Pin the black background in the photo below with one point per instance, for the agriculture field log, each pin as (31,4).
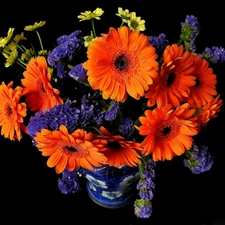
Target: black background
(29,192)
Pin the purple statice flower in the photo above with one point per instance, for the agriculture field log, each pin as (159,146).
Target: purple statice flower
(37,122)
(51,119)
(98,116)
(126,127)
(86,111)
(61,70)
(142,208)
(65,38)
(90,112)
(214,54)
(78,73)
(199,159)
(111,114)
(69,182)
(158,42)
(145,186)
(73,114)
(68,46)
(189,31)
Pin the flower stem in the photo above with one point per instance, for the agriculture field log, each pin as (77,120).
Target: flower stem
(39,38)
(93,27)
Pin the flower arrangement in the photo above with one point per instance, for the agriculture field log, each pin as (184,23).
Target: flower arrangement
(121,99)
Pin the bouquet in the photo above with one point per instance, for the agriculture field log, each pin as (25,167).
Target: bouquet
(121,99)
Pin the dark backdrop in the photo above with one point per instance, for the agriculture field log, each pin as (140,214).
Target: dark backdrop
(29,192)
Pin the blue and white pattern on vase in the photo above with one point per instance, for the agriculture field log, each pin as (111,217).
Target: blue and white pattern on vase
(112,187)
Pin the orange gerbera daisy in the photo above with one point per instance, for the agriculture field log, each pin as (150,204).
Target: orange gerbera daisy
(40,95)
(119,151)
(121,63)
(209,111)
(70,151)
(174,79)
(168,131)
(205,87)
(12,111)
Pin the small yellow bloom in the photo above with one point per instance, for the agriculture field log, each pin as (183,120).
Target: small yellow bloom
(88,15)
(27,55)
(35,26)
(19,38)
(135,23)
(43,53)
(4,41)
(123,14)
(11,46)
(12,58)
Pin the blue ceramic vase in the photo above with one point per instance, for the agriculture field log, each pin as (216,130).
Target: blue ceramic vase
(112,187)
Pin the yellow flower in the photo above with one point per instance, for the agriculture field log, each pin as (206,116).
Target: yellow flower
(35,26)
(88,15)
(19,38)
(123,14)
(135,23)
(11,59)
(10,47)
(28,54)
(43,53)
(4,41)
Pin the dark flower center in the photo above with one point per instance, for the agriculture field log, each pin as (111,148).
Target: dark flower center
(121,62)
(70,149)
(9,111)
(114,145)
(166,130)
(170,79)
(197,82)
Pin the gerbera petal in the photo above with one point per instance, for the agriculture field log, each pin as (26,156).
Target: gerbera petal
(84,163)
(61,165)
(54,159)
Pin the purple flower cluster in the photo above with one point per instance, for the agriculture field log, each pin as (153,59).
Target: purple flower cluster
(69,182)
(126,127)
(214,54)
(78,73)
(189,31)
(68,46)
(159,42)
(51,119)
(71,114)
(199,159)
(90,112)
(145,186)
(112,112)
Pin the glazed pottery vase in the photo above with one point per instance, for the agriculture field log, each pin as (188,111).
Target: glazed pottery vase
(112,187)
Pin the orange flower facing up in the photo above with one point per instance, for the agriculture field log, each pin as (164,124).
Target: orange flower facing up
(40,95)
(121,63)
(168,131)
(205,84)
(119,151)
(12,111)
(79,149)
(175,78)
